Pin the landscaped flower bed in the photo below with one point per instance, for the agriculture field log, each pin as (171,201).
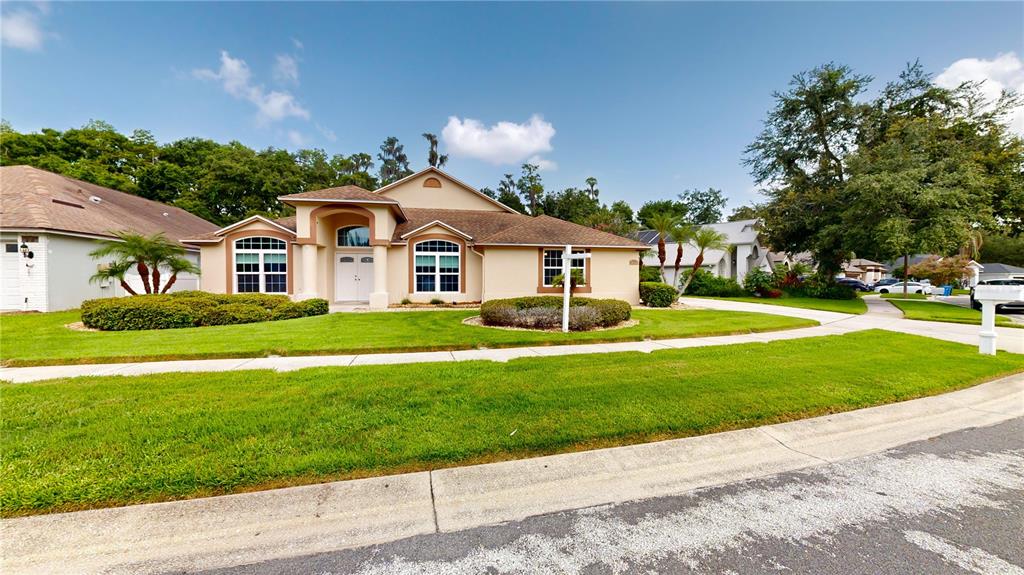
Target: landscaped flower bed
(193,309)
(545,312)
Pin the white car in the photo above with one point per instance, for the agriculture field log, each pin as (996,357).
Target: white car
(912,287)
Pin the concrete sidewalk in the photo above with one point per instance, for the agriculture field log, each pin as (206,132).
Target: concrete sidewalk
(240,529)
(881,315)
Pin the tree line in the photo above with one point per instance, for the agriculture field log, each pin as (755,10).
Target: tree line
(224,183)
(916,169)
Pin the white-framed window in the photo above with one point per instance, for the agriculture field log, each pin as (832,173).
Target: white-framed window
(353,237)
(553,265)
(261,265)
(436,265)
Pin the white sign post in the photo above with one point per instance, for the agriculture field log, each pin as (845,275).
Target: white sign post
(989,296)
(567,257)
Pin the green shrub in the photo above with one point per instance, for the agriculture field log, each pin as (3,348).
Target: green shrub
(234,313)
(657,294)
(436,301)
(817,287)
(136,313)
(705,283)
(406,301)
(650,274)
(191,309)
(759,282)
(544,312)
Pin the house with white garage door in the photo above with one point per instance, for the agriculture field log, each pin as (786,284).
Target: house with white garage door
(48,225)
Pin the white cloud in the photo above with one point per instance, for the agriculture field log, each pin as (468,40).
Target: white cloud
(236,79)
(1004,72)
(502,143)
(286,69)
(297,138)
(22,27)
(297,43)
(327,133)
(542,164)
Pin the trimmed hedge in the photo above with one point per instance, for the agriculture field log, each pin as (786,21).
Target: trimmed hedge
(193,309)
(650,274)
(708,284)
(657,294)
(545,312)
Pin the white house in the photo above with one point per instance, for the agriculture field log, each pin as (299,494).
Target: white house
(48,225)
(745,252)
(996,271)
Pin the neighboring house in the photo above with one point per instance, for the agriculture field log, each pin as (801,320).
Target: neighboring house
(864,270)
(996,271)
(427,236)
(48,225)
(744,254)
(974,269)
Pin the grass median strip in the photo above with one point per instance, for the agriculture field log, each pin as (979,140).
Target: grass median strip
(938,311)
(94,442)
(854,306)
(43,339)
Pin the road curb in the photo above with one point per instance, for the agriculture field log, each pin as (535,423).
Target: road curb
(251,527)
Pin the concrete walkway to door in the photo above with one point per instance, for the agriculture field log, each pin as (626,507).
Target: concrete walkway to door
(880,315)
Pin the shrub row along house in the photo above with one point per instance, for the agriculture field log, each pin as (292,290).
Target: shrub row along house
(48,225)
(425,237)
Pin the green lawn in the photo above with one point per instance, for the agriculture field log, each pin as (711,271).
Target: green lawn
(40,339)
(939,311)
(854,306)
(899,295)
(93,442)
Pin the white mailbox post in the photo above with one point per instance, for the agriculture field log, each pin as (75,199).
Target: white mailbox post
(567,257)
(989,296)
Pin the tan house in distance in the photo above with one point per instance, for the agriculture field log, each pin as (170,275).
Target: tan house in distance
(427,236)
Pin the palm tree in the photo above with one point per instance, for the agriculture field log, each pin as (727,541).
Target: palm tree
(592,187)
(663,223)
(682,234)
(146,253)
(433,158)
(705,239)
(114,271)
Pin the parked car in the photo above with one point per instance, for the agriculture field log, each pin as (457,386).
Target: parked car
(853,283)
(912,287)
(885,282)
(1013,306)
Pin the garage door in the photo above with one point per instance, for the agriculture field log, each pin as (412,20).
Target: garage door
(10,287)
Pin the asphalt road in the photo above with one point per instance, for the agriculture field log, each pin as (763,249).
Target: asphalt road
(953,504)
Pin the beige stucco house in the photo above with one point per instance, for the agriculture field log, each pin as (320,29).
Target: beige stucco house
(428,236)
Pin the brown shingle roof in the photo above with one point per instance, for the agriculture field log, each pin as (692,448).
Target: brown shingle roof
(37,199)
(285,222)
(340,193)
(546,230)
(502,228)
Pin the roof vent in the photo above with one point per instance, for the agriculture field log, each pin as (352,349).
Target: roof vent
(95,199)
(166,215)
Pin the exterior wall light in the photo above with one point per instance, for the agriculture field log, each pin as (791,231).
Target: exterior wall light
(25,252)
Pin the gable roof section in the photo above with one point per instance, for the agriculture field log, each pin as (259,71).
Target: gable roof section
(997,268)
(456,181)
(348,193)
(32,198)
(286,225)
(549,231)
(475,223)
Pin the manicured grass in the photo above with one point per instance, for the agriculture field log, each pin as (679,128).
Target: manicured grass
(40,339)
(939,311)
(899,295)
(958,291)
(854,306)
(92,442)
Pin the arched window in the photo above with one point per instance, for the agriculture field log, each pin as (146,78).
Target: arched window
(431,183)
(437,266)
(353,237)
(261,265)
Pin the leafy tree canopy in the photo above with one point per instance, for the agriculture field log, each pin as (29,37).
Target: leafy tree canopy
(703,206)
(650,209)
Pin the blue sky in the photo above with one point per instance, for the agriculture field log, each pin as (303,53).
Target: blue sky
(651,99)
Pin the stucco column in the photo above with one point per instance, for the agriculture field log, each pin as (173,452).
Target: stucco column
(309,275)
(379,296)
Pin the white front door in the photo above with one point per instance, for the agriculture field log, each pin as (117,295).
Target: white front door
(353,277)
(11,284)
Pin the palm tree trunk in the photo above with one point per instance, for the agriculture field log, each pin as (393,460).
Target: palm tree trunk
(143,270)
(696,266)
(661,257)
(679,262)
(127,287)
(170,282)
(156,277)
